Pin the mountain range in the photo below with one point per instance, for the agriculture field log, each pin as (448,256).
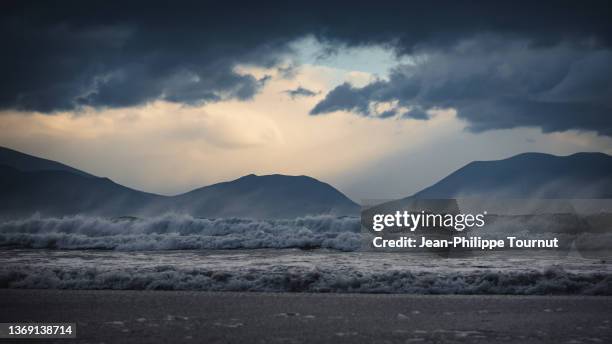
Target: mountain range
(31,185)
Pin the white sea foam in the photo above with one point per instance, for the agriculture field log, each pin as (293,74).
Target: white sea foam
(183,232)
(180,232)
(180,252)
(294,271)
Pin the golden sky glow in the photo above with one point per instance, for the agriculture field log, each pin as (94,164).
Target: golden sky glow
(169,148)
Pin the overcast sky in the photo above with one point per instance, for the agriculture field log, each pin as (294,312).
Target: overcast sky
(378,99)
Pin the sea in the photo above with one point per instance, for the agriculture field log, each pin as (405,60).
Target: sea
(319,254)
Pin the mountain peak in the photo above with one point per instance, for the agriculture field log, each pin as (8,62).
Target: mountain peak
(529,175)
(29,184)
(267,196)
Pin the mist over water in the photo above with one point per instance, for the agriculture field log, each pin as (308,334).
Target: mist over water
(173,231)
(180,232)
(306,254)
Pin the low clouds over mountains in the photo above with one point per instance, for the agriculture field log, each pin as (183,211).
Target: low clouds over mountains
(547,65)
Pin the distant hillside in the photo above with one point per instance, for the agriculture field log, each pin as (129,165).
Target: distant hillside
(56,193)
(32,185)
(529,175)
(25,162)
(269,196)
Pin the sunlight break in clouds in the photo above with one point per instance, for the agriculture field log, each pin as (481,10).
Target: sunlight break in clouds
(170,148)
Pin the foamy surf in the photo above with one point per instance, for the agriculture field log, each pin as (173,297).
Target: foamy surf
(180,232)
(292,270)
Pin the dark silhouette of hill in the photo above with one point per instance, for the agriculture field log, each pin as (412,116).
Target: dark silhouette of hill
(270,196)
(529,175)
(32,185)
(56,193)
(26,162)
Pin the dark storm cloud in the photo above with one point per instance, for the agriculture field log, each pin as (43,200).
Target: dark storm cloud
(301,92)
(67,55)
(416,113)
(494,83)
(63,55)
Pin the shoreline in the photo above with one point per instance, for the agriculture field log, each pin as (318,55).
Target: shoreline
(202,316)
(305,293)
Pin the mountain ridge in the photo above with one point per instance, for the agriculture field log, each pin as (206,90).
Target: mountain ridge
(57,189)
(529,175)
(52,188)
(26,162)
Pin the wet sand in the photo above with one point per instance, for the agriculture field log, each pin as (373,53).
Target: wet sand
(206,317)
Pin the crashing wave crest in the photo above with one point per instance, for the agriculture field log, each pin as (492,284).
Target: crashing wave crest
(180,232)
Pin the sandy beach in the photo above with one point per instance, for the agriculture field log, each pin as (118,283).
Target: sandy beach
(175,316)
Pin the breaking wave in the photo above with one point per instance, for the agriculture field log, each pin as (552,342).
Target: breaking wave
(554,280)
(180,232)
